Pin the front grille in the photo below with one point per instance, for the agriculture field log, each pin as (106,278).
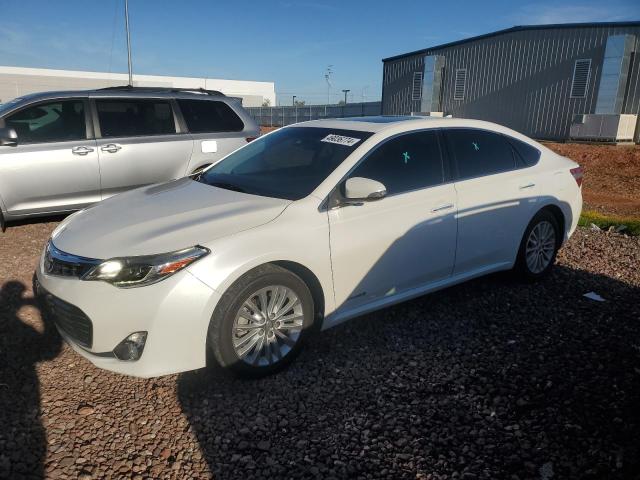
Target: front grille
(70,319)
(62,264)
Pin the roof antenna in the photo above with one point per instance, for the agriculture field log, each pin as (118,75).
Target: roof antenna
(126,19)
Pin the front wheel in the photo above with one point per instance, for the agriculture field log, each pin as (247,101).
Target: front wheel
(261,322)
(538,247)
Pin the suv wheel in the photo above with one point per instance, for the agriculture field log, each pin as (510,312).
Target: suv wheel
(261,322)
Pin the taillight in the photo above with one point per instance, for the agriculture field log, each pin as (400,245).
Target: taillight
(577,173)
(250,139)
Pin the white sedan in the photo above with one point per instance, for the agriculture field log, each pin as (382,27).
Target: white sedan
(302,229)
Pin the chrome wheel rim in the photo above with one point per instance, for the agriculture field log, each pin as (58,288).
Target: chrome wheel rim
(267,325)
(541,245)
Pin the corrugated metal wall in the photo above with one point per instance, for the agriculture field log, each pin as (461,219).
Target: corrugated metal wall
(520,79)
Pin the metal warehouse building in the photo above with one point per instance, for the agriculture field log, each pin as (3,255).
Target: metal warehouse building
(557,82)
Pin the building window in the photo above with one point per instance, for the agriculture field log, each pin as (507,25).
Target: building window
(581,74)
(416,92)
(461,84)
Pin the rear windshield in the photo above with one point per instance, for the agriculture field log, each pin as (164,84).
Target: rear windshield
(289,163)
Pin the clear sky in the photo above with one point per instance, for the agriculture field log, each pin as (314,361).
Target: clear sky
(285,41)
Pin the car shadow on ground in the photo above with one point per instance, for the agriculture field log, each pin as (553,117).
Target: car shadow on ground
(22,346)
(491,379)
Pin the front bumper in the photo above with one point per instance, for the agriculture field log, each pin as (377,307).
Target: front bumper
(175,312)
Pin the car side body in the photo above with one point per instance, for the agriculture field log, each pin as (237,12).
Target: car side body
(75,148)
(355,257)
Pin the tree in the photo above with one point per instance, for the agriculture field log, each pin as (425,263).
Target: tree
(341,102)
(299,103)
(266,102)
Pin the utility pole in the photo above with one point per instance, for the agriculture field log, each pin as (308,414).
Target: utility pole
(293,102)
(345,95)
(126,20)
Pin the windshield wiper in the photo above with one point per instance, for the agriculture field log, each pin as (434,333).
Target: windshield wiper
(228,186)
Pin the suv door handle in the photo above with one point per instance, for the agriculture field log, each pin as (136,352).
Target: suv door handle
(110,147)
(81,150)
(446,206)
(528,185)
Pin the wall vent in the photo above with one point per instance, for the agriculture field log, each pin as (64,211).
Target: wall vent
(581,74)
(461,84)
(416,91)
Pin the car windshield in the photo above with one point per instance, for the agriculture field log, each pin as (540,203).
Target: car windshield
(289,163)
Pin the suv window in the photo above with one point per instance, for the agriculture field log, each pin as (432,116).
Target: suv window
(479,152)
(134,118)
(57,121)
(404,163)
(206,116)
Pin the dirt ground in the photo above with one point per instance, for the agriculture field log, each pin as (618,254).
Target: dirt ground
(611,176)
(611,179)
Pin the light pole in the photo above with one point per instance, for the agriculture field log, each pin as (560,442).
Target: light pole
(293,102)
(345,95)
(126,19)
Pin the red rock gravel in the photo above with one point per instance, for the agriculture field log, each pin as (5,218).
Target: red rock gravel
(490,379)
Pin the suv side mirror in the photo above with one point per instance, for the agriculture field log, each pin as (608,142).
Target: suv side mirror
(8,137)
(364,189)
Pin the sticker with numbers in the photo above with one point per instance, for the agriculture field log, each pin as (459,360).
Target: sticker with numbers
(340,140)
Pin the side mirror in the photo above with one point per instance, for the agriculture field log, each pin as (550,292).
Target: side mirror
(364,189)
(8,137)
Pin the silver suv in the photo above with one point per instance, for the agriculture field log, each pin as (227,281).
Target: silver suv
(61,151)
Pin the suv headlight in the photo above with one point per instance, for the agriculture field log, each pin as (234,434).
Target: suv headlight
(128,272)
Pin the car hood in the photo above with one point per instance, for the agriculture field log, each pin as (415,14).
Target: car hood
(162,218)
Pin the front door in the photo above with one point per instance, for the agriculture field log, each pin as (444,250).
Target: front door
(138,143)
(54,167)
(405,240)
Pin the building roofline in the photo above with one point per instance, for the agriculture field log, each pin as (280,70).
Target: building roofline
(517,28)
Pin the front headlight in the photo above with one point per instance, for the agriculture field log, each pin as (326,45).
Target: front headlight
(127,272)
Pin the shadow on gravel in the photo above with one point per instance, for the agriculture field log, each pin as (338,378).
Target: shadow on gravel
(22,436)
(489,379)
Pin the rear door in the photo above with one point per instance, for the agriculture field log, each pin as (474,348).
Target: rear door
(139,143)
(215,127)
(496,198)
(54,167)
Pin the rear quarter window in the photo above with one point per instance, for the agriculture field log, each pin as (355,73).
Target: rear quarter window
(207,116)
(527,154)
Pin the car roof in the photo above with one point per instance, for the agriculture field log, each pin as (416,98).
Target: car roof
(125,91)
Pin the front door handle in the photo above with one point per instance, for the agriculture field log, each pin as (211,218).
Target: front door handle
(528,185)
(110,147)
(81,150)
(446,206)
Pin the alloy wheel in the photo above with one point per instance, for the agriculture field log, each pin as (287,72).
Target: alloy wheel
(540,247)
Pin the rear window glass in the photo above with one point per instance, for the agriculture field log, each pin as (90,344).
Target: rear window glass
(479,152)
(526,153)
(206,116)
(134,118)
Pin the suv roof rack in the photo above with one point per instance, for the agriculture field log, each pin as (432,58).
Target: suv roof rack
(163,90)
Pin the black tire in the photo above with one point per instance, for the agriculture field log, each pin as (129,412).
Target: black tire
(521,267)
(220,335)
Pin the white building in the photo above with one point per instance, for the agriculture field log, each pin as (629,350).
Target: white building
(17,81)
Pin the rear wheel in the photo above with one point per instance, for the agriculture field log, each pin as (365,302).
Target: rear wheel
(539,246)
(261,322)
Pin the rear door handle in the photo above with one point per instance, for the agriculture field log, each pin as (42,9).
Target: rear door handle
(528,185)
(446,206)
(81,150)
(110,147)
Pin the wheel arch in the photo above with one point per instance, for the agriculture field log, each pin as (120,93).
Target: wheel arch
(556,211)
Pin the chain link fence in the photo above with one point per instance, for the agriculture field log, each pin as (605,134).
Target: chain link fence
(281,116)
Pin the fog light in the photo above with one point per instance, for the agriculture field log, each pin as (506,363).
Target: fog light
(130,349)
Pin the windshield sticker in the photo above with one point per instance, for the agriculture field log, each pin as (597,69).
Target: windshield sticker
(340,140)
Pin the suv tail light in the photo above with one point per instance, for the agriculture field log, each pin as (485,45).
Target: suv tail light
(577,173)
(250,139)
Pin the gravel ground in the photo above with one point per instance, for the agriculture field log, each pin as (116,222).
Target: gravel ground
(491,379)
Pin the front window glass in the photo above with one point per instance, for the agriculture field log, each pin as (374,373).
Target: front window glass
(58,121)
(289,163)
(405,163)
(135,118)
